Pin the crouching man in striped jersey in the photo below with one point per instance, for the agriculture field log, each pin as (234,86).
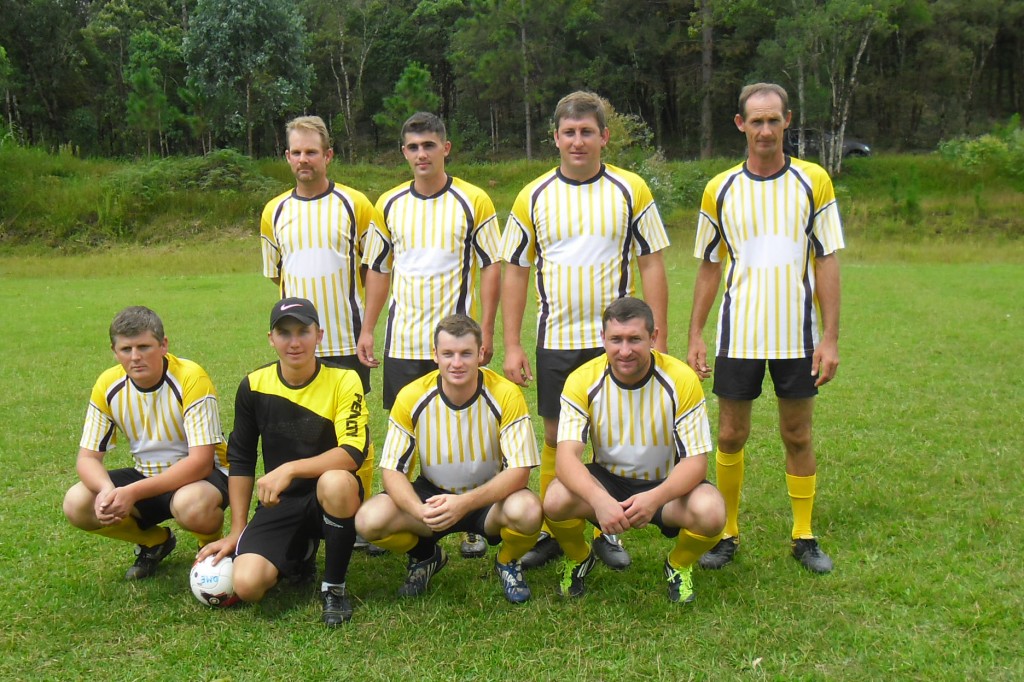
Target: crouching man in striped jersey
(470,431)
(166,407)
(644,414)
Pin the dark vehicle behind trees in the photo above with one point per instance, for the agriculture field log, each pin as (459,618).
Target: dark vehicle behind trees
(812,143)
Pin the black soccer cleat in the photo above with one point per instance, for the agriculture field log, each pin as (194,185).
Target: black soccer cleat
(680,584)
(147,558)
(473,546)
(610,551)
(720,555)
(808,553)
(573,575)
(419,574)
(337,607)
(546,549)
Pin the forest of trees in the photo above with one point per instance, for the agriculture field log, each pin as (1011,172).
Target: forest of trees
(161,77)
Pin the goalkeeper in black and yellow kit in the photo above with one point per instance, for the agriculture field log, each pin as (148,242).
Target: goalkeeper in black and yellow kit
(312,421)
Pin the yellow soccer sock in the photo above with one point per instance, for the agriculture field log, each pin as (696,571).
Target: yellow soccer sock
(801,497)
(689,547)
(547,474)
(729,475)
(570,538)
(514,545)
(206,538)
(129,531)
(399,543)
(365,473)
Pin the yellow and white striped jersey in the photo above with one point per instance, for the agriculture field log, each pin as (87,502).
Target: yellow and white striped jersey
(582,237)
(315,247)
(435,248)
(460,447)
(768,231)
(639,431)
(160,423)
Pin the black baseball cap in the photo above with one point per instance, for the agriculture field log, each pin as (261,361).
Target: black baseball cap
(301,309)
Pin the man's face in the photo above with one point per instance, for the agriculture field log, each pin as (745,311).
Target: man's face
(142,357)
(295,343)
(580,141)
(459,359)
(763,123)
(628,346)
(307,157)
(426,154)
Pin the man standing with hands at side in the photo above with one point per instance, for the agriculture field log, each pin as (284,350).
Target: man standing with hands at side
(583,225)
(774,223)
(438,238)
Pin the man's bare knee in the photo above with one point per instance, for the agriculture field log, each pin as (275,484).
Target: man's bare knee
(557,501)
(79,505)
(196,507)
(372,518)
(338,493)
(707,511)
(523,511)
(253,576)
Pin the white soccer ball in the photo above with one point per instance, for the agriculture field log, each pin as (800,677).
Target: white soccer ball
(213,585)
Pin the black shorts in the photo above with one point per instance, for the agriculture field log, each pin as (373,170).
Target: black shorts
(154,510)
(553,368)
(622,488)
(741,379)
(350,362)
(473,522)
(284,533)
(398,372)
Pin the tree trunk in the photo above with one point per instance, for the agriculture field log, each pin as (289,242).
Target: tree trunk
(248,118)
(800,98)
(842,97)
(494,128)
(706,72)
(526,82)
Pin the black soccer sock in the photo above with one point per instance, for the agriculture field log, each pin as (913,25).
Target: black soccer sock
(424,549)
(339,539)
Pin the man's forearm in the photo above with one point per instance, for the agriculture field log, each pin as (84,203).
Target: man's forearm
(377,286)
(514,285)
(401,492)
(240,495)
(195,467)
(705,289)
(498,488)
(826,275)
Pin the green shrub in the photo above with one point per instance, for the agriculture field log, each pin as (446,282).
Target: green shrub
(135,193)
(1001,151)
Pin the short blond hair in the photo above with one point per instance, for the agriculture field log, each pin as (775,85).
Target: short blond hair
(310,124)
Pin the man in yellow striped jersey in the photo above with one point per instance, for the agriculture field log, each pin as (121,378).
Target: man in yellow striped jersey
(470,431)
(311,423)
(313,238)
(643,413)
(439,236)
(166,407)
(583,225)
(774,224)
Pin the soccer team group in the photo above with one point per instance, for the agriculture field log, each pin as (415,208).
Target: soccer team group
(460,443)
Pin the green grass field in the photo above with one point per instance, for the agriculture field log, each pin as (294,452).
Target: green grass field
(920,504)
